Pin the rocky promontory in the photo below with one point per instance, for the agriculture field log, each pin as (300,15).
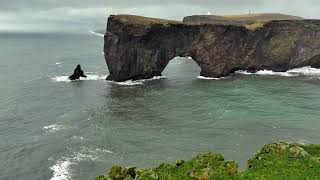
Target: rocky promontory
(140,48)
(274,161)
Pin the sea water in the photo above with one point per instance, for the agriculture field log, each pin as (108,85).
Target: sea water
(52,128)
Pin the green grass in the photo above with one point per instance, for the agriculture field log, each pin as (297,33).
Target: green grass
(132,19)
(274,161)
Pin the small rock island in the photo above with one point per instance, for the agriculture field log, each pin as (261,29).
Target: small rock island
(77,73)
(140,48)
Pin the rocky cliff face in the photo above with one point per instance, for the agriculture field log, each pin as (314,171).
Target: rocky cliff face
(140,48)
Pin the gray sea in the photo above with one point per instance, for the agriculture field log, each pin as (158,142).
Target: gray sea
(51,128)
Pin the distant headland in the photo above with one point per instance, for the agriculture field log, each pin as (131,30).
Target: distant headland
(139,47)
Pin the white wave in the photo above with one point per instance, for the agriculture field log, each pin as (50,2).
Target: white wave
(293,72)
(305,71)
(272,73)
(81,156)
(58,63)
(97,34)
(88,154)
(61,170)
(138,82)
(208,78)
(88,78)
(54,128)
(154,78)
(80,138)
(60,78)
(129,83)
(266,72)
(104,151)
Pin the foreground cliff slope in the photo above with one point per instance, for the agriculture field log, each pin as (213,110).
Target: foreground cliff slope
(140,48)
(274,161)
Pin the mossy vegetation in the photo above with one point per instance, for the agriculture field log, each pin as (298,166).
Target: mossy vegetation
(274,161)
(284,161)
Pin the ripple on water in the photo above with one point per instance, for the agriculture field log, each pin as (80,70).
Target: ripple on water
(53,128)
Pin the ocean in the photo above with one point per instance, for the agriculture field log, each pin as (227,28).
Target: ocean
(51,128)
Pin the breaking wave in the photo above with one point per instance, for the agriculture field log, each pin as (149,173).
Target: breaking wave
(61,170)
(88,78)
(208,78)
(53,128)
(137,82)
(97,34)
(62,167)
(294,72)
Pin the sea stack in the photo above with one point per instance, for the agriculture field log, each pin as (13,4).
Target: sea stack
(77,73)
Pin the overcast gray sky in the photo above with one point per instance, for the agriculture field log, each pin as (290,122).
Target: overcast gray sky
(85,15)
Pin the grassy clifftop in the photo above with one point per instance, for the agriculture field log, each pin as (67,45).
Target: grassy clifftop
(249,20)
(261,17)
(133,19)
(274,161)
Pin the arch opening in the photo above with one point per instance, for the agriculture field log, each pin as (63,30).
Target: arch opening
(181,68)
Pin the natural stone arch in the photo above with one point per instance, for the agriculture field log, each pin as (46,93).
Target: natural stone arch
(140,48)
(178,65)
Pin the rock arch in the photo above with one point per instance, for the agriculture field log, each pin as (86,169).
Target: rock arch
(140,48)
(181,68)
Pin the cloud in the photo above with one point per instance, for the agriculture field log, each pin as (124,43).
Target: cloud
(82,15)
(48,4)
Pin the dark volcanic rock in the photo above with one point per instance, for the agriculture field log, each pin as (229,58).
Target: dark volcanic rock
(140,48)
(77,73)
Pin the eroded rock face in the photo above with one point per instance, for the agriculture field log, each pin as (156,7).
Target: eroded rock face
(140,48)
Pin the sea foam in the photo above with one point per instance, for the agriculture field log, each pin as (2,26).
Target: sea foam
(97,34)
(61,170)
(88,78)
(137,82)
(53,128)
(208,78)
(293,72)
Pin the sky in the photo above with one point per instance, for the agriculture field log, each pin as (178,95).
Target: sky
(85,15)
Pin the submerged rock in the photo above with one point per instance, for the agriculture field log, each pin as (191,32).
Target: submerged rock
(77,74)
(274,161)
